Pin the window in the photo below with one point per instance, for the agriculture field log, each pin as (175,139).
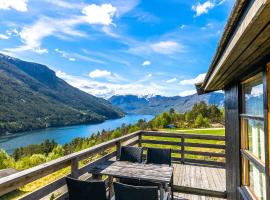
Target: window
(253,137)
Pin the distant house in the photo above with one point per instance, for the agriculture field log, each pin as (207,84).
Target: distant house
(241,67)
(170,126)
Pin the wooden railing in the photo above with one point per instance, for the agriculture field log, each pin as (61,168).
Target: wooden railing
(185,146)
(112,149)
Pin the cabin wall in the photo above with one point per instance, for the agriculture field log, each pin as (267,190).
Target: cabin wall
(232,131)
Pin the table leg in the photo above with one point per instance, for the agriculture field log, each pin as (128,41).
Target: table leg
(162,191)
(110,184)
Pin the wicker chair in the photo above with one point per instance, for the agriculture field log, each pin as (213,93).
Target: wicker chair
(130,192)
(86,190)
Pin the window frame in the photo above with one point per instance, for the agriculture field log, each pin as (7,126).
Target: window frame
(247,156)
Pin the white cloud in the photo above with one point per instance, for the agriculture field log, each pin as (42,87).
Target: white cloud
(106,90)
(102,14)
(187,93)
(73,56)
(12,32)
(108,31)
(72,59)
(97,73)
(221,2)
(203,8)
(182,26)
(41,51)
(32,36)
(125,6)
(166,47)
(87,58)
(173,80)
(4,37)
(146,63)
(65,4)
(19,5)
(192,81)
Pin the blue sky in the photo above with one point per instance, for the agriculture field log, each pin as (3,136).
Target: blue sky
(145,47)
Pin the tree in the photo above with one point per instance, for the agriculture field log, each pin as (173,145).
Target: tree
(200,121)
(5,160)
(172,111)
(116,133)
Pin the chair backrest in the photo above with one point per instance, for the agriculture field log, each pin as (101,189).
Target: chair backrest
(159,156)
(130,192)
(131,154)
(86,190)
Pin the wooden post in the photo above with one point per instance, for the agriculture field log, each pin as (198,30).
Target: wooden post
(140,139)
(74,168)
(182,149)
(118,148)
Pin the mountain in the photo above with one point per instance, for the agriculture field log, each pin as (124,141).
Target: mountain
(33,97)
(157,104)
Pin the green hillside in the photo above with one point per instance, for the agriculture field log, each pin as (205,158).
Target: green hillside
(33,97)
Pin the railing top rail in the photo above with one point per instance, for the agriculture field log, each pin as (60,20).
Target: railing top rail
(54,165)
(182,135)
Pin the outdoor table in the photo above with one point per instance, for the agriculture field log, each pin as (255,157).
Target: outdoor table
(160,174)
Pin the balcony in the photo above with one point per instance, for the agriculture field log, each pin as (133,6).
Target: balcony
(197,174)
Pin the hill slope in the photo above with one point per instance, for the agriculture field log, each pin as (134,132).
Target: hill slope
(158,104)
(33,97)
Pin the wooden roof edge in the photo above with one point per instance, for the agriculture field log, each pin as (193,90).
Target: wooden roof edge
(235,15)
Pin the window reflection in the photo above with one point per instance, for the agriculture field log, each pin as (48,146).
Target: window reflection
(253,96)
(256,138)
(257,182)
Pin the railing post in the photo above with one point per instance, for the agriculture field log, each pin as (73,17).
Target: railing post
(118,148)
(75,168)
(182,149)
(140,139)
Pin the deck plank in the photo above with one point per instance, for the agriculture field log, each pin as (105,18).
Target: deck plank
(182,196)
(200,177)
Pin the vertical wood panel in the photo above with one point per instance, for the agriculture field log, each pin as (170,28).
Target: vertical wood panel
(232,131)
(266,126)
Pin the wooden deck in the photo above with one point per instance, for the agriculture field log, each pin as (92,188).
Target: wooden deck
(200,180)
(189,180)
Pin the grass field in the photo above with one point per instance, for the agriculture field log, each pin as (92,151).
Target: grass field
(216,132)
(50,178)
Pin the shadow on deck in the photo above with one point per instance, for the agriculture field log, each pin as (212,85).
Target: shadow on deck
(198,182)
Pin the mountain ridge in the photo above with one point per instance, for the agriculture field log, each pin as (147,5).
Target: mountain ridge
(33,97)
(157,104)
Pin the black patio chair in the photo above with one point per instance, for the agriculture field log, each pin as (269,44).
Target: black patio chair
(86,190)
(130,192)
(131,154)
(159,156)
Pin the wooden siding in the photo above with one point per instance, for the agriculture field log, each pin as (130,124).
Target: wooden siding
(232,132)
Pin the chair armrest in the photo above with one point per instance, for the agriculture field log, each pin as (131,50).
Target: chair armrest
(113,198)
(166,196)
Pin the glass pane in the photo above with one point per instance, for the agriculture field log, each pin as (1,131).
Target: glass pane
(257,182)
(256,138)
(253,96)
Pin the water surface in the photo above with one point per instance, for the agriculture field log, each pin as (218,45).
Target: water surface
(65,134)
